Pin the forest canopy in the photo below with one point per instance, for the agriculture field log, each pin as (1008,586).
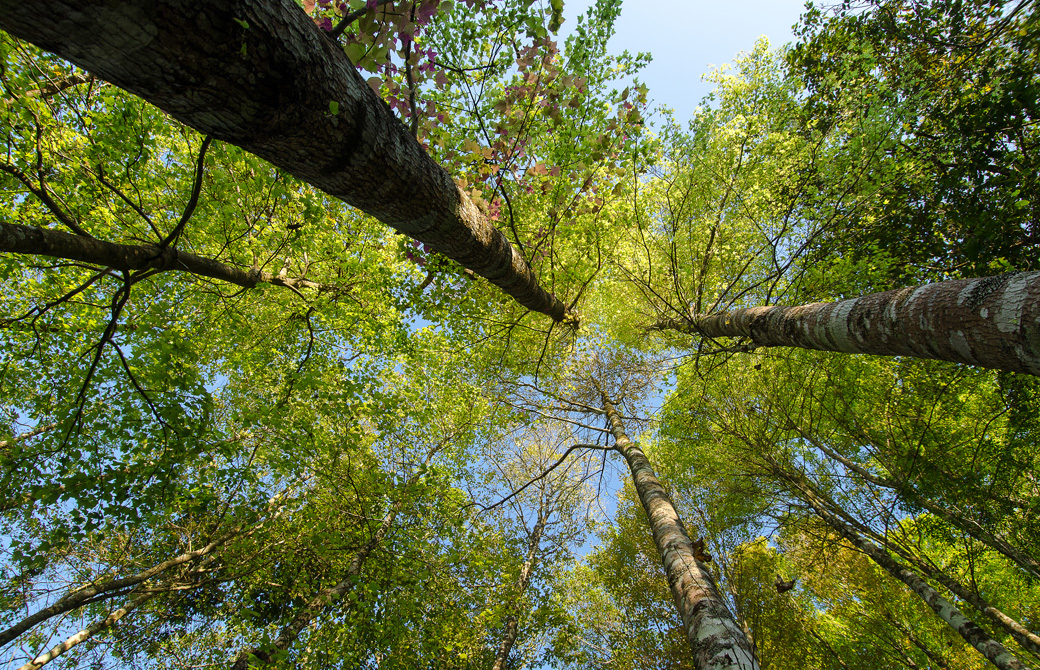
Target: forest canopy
(409,334)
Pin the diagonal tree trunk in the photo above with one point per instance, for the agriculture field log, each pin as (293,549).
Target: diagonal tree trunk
(44,242)
(90,631)
(512,620)
(907,491)
(995,652)
(992,322)
(717,641)
(259,74)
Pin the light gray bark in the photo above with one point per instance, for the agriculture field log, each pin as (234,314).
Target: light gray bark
(513,620)
(716,639)
(995,652)
(259,74)
(992,322)
(88,632)
(93,592)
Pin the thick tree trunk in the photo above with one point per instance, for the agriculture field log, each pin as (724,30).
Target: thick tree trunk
(259,74)
(126,257)
(717,641)
(513,620)
(995,652)
(992,322)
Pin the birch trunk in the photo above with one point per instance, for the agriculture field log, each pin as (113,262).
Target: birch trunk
(92,592)
(259,74)
(88,632)
(992,322)
(513,621)
(995,652)
(715,638)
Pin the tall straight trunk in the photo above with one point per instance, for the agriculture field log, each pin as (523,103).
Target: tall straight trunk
(995,652)
(717,641)
(992,322)
(45,242)
(259,74)
(513,619)
(906,490)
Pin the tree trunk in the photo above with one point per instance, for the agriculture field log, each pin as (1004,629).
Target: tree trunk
(126,257)
(513,620)
(96,592)
(88,632)
(995,652)
(715,637)
(907,491)
(992,322)
(259,74)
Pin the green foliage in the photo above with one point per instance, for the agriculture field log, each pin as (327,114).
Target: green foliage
(360,429)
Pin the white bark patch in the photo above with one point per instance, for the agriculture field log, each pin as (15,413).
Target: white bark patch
(839,332)
(1008,317)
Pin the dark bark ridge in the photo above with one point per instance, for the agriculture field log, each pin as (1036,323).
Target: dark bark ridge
(991,322)
(262,76)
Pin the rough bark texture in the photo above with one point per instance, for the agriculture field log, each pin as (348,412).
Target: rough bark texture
(965,627)
(126,257)
(716,639)
(259,74)
(992,322)
(513,621)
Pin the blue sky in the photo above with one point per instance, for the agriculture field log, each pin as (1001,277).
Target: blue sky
(687,37)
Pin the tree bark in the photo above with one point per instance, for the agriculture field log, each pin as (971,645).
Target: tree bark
(715,638)
(126,257)
(907,491)
(88,632)
(995,652)
(259,74)
(43,241)
(93,592)
(992,322)
(513,621)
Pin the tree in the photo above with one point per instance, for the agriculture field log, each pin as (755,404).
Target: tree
(222,389)
(988,322)
(334,132)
